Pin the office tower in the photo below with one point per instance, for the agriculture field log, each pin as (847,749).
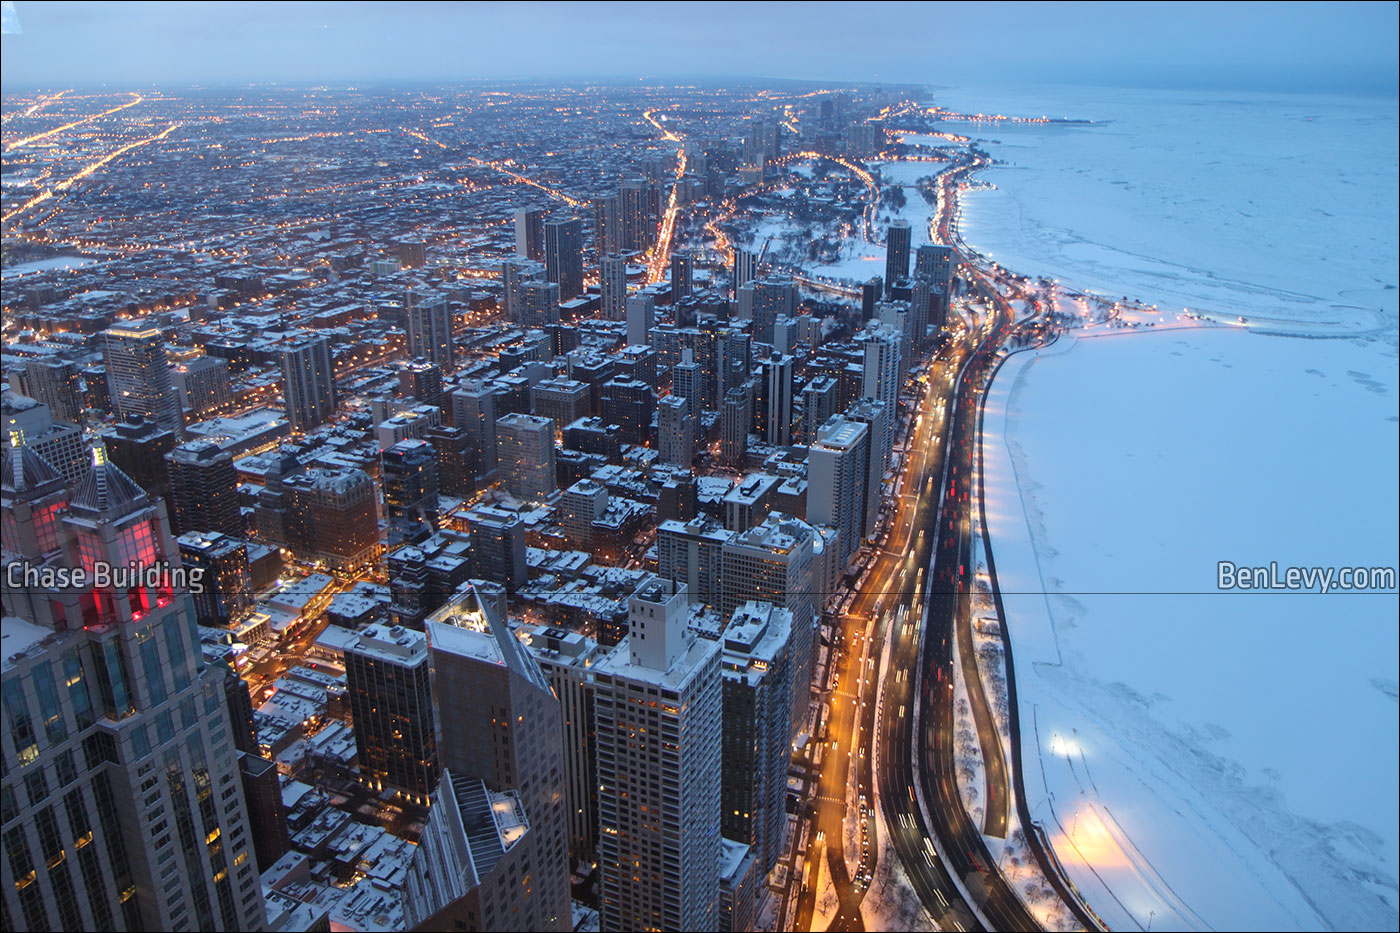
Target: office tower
(567,659)
(515,272)
(501,724)
(690,553)
(872,413)
(636,361)
(498,547)
(682,275)
(138,448)
(267,817)
(897,239)
(308,383)
(222,561)
(203,489)
(733,360)
(467,867)
(737,417)
(203,384)
(773,297)
(818,405)
(474,411)
(837,464)
(871,293)
(935,265)
(122,804)
(458,461)
(757,704)
(563,255)
(29,423)
(641,317)
(613,282)
(412,253)
(675,431)
(529,233)
(630,404)
(391,706)
(687,383)
(745,267)
(138,375)
(54,383)
(658,712)
(428,321)
(410,478)
(561,400)
(883,368)
(525,447)
(773,563)
(776,375)
(331,517)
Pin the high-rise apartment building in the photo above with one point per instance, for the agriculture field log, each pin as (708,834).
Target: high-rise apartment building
(658,713)
(641,317)
(757,729)
(203,489)
(736,419)
(474,411)
(391,705)
(26,422)
(227,595)
(54,382)
(837,470)
(138,375)
(613,284)
(428,321)
(745,267)
(410,479)
(563,255)
(308,383)
(675,431)
(529,233)
(897,241)
(525,450)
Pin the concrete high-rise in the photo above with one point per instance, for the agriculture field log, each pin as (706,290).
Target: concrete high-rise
(776,375)
(529,233)
(428,319)
(691,554)
(308,383)
(138,375)
(29,423)
(773,562)
(613,282)
(641,317)
(736,419)
(525,448)
(837,470)
(500,723)
(411,486)
(682,275)
(204,489)
(745,267)
(54,382)
(658,710)
(675,431)
(123,805)
(474,411)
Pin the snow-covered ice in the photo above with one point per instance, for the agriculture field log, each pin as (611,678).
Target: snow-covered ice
(1203,758)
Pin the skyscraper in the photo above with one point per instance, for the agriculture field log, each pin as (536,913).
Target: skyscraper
(498,546)
(525,447)
(54,382)
(529,233)
(563,255)
(410,477)
(897,240)
(777,382)
(773,562)
(682,275)
(429,326)
(641,316)
(613,281)
(227,597)
(883,368)
(29,423)
(836,476)
(308,383)
(123,808)
(391,706)
(500,724)
(138,448)
(745,267)
(138,375)
(935,264)
(515,272)
(737,418)
(658,712)
(774,297)
(691,554)
(675,431)
(474,411)
(630,405)
(204,489)
(757,707)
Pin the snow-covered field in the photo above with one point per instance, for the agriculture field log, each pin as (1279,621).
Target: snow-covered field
(1198,758)
(1283,205)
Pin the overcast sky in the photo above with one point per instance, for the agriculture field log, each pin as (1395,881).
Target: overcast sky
(1285,46)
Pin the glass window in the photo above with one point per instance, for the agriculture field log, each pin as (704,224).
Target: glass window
(21,726)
